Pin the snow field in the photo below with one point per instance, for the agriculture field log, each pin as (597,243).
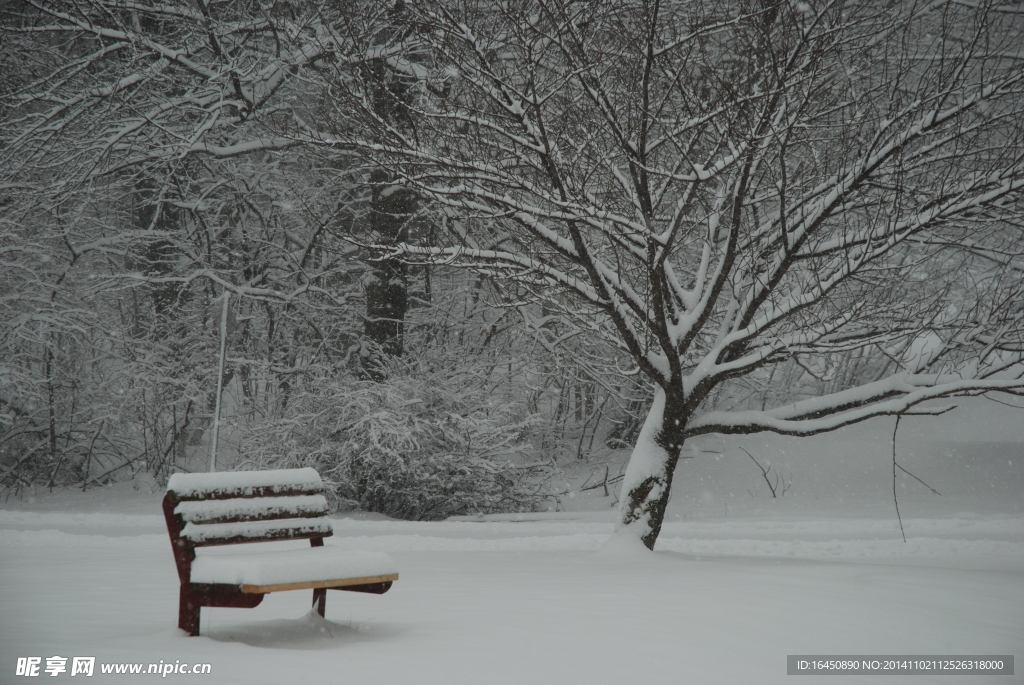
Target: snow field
(532,602)
(739,580)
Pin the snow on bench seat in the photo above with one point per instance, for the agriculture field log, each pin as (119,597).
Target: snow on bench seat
(228,484)
(252,508)
(316,567)
(207,534)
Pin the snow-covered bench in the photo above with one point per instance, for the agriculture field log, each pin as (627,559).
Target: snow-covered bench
(229,508)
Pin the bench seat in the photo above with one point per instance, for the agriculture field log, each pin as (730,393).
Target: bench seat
(294,569)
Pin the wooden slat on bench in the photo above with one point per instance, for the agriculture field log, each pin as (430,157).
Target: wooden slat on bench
(252,509)
(210,534)
(315,584)
(254,491)
(231,484)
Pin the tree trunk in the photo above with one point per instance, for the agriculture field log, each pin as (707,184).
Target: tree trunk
(387,296)
(159,257)
(648,481)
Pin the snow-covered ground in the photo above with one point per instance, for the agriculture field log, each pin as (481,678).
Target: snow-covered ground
(739,580)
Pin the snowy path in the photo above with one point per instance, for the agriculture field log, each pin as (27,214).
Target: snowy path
(531,602)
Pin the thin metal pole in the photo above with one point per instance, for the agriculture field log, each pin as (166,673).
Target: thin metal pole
(220,381)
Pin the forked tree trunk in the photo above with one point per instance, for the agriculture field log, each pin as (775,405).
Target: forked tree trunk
(648,481)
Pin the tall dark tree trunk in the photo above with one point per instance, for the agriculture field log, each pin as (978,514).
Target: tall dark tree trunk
(391,211)
(387,288)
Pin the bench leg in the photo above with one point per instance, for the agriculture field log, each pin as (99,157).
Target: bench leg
(320,601)
(188,611)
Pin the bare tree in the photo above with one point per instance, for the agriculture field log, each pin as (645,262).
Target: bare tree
(724,187)
(153,157)
(140,178)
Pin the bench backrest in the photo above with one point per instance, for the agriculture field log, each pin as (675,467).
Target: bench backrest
(234,507)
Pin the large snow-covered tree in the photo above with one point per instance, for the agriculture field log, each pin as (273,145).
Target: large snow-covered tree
(721,187)
(718,189)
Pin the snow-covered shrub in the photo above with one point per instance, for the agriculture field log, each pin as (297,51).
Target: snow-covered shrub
(418,445)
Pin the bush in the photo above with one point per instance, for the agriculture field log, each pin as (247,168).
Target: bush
(417,446)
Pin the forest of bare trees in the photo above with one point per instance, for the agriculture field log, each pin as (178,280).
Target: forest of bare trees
(462,243)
